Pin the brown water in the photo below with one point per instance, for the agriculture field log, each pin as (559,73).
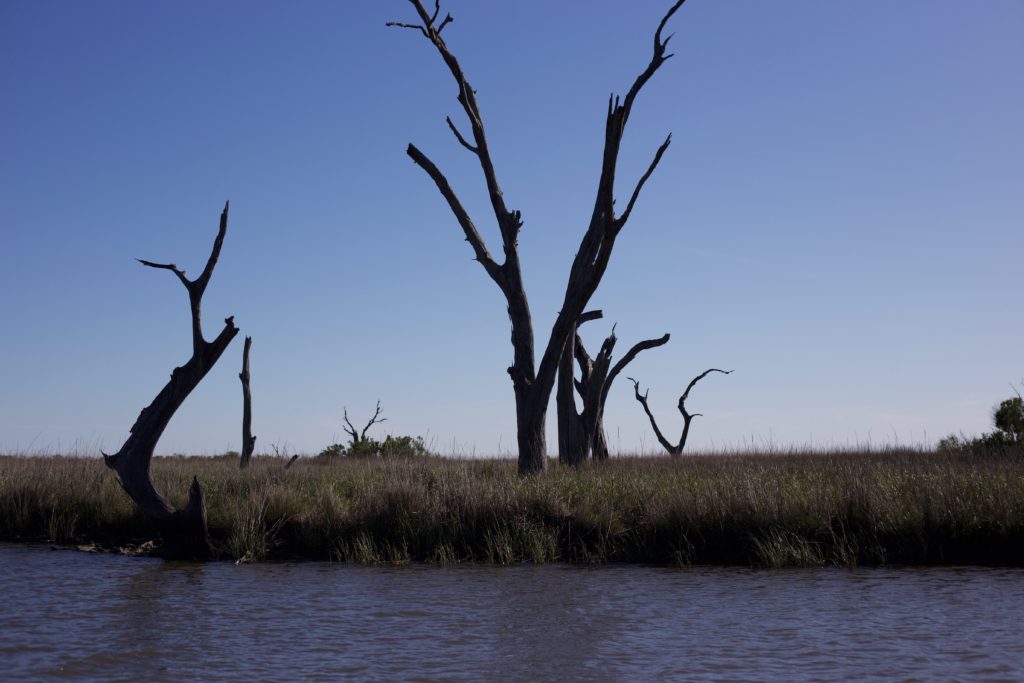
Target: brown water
(66,615)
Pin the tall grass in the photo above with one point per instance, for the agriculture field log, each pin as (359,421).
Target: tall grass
(767,509)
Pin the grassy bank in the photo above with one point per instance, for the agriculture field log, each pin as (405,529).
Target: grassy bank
(773,510)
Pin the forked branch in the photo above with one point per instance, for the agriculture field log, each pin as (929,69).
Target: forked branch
(357,436)
(196,288)
(677,449)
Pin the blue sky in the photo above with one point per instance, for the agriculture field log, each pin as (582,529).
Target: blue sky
(840,217)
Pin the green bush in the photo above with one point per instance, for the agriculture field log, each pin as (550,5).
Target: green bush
(952,444)
(333,451)
(364,448)
(1008,419)
(404,446)
(392,446)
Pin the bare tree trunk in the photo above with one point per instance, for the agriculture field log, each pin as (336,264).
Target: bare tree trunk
(248,440)
(674,450)
(573,439)
(596,378)
(569,424)
(600,448)
(533,384)
(530,436)
(184,531)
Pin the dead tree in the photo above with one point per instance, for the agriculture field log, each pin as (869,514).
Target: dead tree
(358,438)
(184,531)
(248,440)
(571,438)
(581,434)
(677,449)
(532,384)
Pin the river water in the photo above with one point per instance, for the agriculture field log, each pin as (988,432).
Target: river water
(66,615)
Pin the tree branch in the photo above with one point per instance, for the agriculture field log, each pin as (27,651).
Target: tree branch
(350,428)
(468,228)
(583,359)
(686,394)
(687,417)
(509,222)
(458,136)
(399,24)
(654,424)
(204,277)
(167,266)
(621,220)
(373,421)
(657,59)
(196,288)
(630,355)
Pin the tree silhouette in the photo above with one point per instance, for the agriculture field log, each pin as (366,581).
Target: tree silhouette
(531,383)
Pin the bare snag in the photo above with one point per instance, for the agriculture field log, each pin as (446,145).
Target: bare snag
(184,531)
(581,433)
(674,450)
(532,383)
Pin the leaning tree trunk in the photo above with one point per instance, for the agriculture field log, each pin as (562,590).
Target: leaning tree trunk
(248,440)
(532,383)
(184,532)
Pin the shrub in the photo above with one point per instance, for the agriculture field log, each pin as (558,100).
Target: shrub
(1009,422)
(333,451)
(404,446)
(1009,418)
(392,446)
(952,444)
(364,448)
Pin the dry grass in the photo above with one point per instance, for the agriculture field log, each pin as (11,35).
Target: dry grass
(773,510)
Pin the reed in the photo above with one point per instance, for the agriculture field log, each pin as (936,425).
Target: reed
(772,509)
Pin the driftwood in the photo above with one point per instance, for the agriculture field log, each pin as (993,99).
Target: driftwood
(581,433)
(674,449)
(184,531)
(533,384)
(248,440)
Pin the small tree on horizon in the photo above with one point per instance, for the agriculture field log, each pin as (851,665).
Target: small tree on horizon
(1009,418)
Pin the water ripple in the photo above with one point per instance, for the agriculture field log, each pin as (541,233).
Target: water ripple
(84,617)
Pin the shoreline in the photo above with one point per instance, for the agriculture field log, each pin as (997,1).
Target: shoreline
(896,507)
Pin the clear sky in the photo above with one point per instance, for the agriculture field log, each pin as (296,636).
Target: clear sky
(840,217)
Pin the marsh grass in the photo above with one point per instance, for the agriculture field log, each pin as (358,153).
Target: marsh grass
(896,506)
